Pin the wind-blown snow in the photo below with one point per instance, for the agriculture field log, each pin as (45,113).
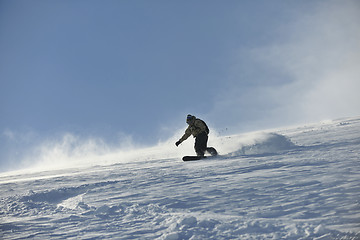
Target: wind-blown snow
(296,183)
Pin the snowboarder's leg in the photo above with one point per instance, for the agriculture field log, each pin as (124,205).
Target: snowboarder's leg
(201,144)
(212,151)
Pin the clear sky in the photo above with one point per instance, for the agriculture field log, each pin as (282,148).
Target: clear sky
(112,69)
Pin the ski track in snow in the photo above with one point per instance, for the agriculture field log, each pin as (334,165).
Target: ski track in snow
(296,183)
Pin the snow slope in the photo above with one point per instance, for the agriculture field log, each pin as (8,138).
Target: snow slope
(295,183)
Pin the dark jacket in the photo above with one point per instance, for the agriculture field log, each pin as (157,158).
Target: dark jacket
(195,127)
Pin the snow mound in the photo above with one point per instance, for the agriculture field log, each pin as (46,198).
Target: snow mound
(267,143)
(255,144)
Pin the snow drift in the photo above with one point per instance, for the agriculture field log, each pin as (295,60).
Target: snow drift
(258,144)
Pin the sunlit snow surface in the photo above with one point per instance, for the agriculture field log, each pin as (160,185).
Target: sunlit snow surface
(296,183)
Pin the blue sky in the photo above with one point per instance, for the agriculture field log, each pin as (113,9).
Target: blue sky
(135,68)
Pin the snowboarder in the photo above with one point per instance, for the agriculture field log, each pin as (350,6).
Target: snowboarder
(200,131)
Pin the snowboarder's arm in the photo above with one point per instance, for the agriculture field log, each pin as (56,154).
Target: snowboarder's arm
(186,135)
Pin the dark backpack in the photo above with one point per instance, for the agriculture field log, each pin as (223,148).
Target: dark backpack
(207,130)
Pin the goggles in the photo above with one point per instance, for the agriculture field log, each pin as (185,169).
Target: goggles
(189,118)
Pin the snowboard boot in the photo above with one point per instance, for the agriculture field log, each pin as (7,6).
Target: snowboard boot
(212,151)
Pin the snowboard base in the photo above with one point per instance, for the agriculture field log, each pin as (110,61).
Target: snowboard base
(192,158)
(195,158)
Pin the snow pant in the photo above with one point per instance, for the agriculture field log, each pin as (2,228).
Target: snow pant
(201,145)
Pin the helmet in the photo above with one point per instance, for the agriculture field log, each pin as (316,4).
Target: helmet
(189,118)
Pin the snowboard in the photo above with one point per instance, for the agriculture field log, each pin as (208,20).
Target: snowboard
(195,158)
(192,158)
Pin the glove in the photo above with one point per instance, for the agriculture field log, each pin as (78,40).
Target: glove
(177,143)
